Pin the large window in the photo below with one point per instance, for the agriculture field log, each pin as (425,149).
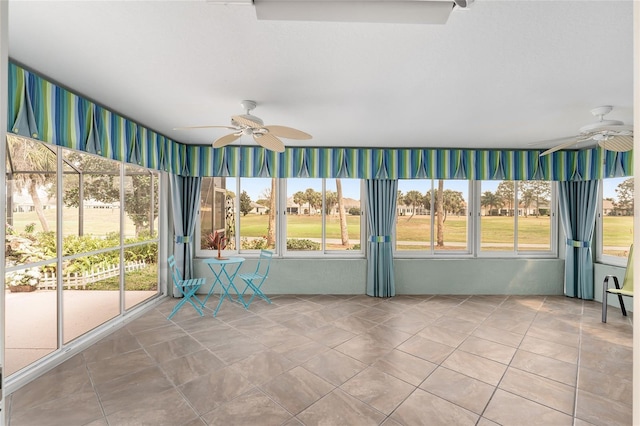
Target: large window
(104,257)
(238,214)
(432,216)
(323,215)
(286,215)
(435,217)
(516,217)
(615,224)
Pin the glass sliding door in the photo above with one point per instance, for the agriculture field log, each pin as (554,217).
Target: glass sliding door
(102,262)
(30,250)
(141,235)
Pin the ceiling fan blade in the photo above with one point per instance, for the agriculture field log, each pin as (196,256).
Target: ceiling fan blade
(562,146)
(246,122)
(287,132)
(205,127)
(553,141)
(226,140)
(617,143)
(268,141)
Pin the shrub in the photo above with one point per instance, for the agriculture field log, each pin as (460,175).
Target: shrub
(254,244)
(146,252)
(354,211)
(302,244)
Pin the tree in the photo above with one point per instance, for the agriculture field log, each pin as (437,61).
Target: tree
(344,231)
(100,181)
(330,200)
(137,201)
(534,191)
(506,192)
(624,205)
(39,165)
(271,228)
(299,198)
(452,201)
(491,200)
(314,198)
(245,203)
(440,213)
(413,198)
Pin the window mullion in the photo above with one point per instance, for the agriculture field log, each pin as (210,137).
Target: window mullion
(516,215)
(281,218)
(237,213)
(323,235)
(432,219)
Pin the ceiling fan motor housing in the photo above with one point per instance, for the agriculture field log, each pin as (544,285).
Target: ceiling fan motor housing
(252,118)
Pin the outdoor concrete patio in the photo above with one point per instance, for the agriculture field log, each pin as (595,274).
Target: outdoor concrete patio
(31,320)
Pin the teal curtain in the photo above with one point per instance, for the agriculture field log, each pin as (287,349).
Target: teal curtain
(381,210)
(578,203)
(185,202)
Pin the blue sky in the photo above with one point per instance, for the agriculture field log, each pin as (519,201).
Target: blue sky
(351,187)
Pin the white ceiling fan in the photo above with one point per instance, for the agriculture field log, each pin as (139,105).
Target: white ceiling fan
(612,135)
(266,136)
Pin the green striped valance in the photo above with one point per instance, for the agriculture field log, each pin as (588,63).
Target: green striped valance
(408,163)
(41,110)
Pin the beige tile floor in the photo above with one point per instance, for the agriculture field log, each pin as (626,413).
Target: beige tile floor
(349,360)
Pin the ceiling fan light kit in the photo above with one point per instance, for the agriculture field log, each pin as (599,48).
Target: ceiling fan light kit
(267,137)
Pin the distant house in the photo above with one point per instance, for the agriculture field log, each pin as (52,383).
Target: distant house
(22,201)
(530,210)
(348,204)
(292,208)
(258,208)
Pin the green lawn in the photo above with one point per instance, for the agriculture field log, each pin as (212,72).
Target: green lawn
(618,230)
(300,226)
(618,234)
(495,229)
(96,221)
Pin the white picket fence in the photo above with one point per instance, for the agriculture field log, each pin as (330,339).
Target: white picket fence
(82,280)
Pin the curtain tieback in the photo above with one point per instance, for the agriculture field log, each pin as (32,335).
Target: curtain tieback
(183,239)
(380,238)
(578,244)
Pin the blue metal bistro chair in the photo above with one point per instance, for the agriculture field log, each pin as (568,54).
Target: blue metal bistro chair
(187,288)
(255,280)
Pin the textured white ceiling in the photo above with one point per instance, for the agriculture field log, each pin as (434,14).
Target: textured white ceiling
(503,74)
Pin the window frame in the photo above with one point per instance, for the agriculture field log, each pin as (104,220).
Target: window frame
(605,259)
(473,229)
(431,251)
(323,252)
(281,223)
(516,253)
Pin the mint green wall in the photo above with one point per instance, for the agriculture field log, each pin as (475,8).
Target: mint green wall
(601,270)
(413,276)
(479,276)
